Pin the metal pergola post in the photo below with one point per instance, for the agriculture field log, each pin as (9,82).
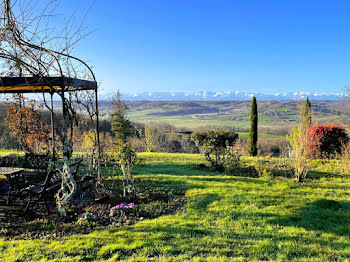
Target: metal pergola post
(98,139)
(52,131)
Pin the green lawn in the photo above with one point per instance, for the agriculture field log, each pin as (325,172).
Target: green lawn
(226,218)
(6,152)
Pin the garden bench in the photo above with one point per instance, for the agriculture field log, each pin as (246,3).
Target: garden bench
(37,165)
(9,161)
(36,168)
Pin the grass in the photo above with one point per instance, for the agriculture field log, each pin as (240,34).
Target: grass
(6,152)
(262,136)
(226,218)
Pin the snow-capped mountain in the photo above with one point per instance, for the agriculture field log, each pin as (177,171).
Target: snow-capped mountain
(227,95)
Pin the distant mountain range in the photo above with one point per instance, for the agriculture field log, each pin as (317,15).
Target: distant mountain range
(217,96)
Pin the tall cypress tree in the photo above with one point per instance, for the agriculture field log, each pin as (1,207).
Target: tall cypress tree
(308,112)
(253,133)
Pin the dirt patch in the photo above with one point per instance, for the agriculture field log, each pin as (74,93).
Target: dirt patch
(37,224)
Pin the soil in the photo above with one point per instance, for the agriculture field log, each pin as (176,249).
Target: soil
(38,224)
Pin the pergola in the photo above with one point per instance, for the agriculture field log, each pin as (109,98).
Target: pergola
(40,56)
(61,86)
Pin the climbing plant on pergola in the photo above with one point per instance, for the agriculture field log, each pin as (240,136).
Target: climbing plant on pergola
(35,59)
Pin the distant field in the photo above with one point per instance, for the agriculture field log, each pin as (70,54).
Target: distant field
(272,114)
(245,135)
(275,118)
(186,121)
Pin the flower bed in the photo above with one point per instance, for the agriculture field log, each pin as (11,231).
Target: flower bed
(145,204)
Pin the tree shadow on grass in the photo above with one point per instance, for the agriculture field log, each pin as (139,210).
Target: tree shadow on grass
(244,174)
(315,175)
(230,179)
(178,236)
(324,215)
(166,185)
(203,201)
(172,169)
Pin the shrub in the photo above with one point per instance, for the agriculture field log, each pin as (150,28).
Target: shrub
(87,218)
(138,144)
(326,141)
(272,147)
(23,119)
(242,147)
(232,159)
(3,231)
(345,157)
(213,145)
(274,167)
(126,159)
(161,137)
(299,140)
(87,141)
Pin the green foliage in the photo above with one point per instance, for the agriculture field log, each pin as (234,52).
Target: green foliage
(87,218)
(232,159)
(126,159)
(120,124)
(272,167)
(150,138)
(253,132)
(308,112)
(125,154)
(214,144)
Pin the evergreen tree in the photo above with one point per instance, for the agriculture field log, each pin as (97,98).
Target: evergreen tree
(124,153)
(308,112)
(120,124)
(253,133)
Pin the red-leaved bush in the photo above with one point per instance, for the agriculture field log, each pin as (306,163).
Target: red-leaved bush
(325,141)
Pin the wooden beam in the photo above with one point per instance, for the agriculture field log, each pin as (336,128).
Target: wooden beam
(44,84)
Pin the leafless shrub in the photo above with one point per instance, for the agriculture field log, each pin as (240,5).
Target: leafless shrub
(138,144)
(242,147)
(271,147)
(299,140)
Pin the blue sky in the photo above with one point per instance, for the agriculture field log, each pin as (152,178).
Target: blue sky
(192,45)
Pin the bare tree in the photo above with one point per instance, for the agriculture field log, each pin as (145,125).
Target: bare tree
(300,140)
